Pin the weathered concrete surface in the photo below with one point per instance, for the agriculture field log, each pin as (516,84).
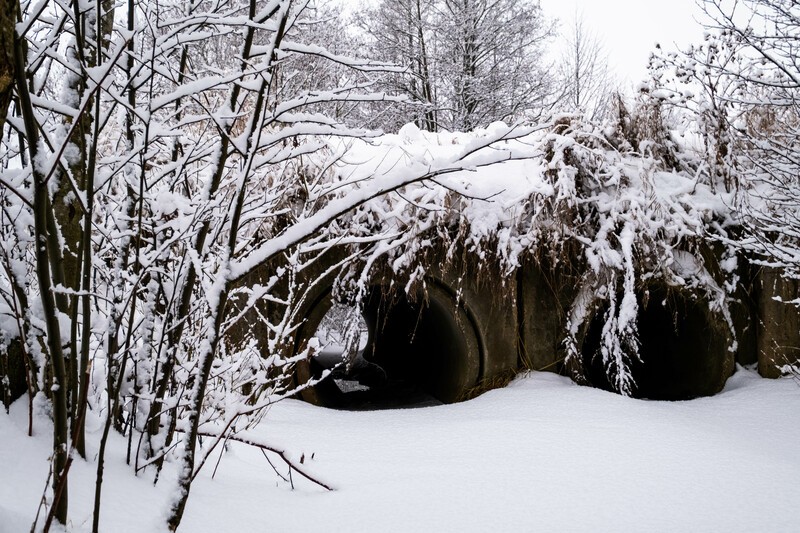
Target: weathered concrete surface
(489,298)
(744,312)
(544,298)
(778,341)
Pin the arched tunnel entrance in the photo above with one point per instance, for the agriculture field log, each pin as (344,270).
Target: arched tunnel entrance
(419,350)
(684,348)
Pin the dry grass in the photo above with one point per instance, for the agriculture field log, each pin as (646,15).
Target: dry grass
(496,382)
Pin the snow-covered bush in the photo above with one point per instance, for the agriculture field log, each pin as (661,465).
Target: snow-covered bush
(572,195)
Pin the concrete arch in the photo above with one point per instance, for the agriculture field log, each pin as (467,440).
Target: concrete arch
(430,340)
(425,341)
(684,348)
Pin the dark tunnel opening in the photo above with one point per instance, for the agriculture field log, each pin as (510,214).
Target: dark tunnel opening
(419,352)
(683,349)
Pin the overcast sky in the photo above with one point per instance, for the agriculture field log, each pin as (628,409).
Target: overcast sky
(629,29)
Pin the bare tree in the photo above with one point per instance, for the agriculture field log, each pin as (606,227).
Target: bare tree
(7,21)
(741,89)
(468,62)
(583,74)
(493,53)
(402,32)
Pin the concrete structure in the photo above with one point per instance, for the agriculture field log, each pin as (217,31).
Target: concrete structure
(471,326)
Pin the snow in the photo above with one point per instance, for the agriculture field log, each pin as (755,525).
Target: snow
(542,454)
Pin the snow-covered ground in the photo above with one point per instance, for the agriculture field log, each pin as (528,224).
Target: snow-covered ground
(542,454)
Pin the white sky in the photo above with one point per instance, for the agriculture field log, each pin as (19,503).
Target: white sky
(629,29)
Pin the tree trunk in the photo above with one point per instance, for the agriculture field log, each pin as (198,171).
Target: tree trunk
(43,257)
(8,17)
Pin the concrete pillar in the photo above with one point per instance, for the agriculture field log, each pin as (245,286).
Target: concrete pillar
(779,323)
(543,302)
(489,298)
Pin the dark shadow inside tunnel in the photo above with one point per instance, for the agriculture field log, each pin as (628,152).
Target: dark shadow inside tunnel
(684,349)
(419,352)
